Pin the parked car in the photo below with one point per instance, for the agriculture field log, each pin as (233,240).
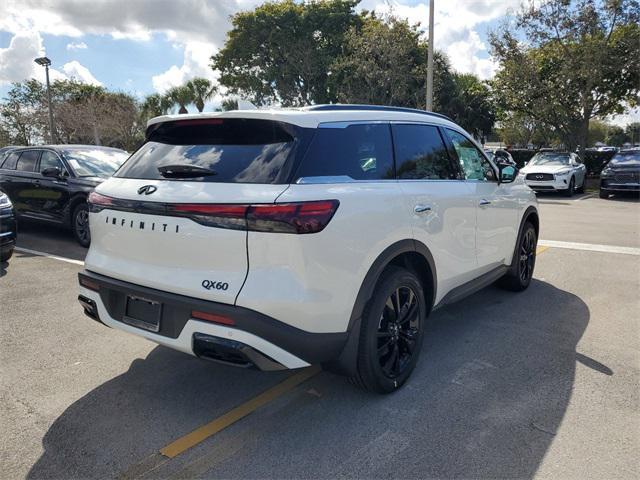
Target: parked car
(320,235)
(555,171)
(51,183)
(621,174)
(500,156)
(8,228)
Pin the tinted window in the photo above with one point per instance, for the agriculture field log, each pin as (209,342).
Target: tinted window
(49,160)
(421,153)
(474,165)
(10,161)
(362,152)
(237,150)
(27,161)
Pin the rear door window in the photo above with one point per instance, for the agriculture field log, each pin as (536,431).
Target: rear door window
(236,150)
(421,153)
(359,151)
(27,161)
(11,161)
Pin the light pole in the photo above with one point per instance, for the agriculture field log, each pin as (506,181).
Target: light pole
(430,60)
(45,62)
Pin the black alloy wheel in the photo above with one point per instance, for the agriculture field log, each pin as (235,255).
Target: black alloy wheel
(397,331)
(527,256)
(391,331)
(81,225)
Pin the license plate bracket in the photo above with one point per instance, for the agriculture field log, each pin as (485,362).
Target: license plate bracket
(142,313)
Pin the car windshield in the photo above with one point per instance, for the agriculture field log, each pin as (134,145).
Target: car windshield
(626,158)
(550,159)
(95,162)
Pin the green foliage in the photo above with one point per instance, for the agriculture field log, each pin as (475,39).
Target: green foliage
(155,105)
(471,104)
(181,96)
(228,104)
(633,132)
(597,132)
(202,90)
(580,61)
(281,52)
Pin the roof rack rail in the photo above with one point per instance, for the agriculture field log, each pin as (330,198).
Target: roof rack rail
(383,108)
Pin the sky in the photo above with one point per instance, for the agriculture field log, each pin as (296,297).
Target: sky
(147,46)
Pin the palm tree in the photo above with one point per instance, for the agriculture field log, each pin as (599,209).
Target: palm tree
(202,90)
(155,105)
(181,96)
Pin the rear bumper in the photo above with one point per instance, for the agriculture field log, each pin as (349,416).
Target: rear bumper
(255,339)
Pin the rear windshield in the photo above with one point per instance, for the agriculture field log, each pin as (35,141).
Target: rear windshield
(235,150)
(95,162)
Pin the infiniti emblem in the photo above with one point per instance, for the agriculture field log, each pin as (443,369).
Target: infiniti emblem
(539,177)
(147,189)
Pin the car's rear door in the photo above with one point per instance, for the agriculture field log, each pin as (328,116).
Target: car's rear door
(496,209)
(440,204)
(53,196)
(23,187)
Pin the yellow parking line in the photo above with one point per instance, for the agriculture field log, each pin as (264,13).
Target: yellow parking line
(202,433)
(541,249)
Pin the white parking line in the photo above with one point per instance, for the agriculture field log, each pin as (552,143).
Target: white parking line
(43,254)
(590,247)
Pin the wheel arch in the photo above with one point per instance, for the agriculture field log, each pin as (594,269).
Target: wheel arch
(530,215)
(408,253)
(74,201)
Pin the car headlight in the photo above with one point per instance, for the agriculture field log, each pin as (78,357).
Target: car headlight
(4,201)
(561,173)
(606,171)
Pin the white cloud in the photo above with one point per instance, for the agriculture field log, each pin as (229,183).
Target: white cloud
(76,46)
(17,62)
(76,71)
(197,57)
(455,27)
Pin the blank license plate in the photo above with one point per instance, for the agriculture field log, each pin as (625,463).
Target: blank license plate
(143,313)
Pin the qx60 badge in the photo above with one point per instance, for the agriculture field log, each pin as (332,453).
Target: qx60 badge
(147,189)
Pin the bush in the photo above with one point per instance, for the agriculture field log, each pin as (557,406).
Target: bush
(522,155)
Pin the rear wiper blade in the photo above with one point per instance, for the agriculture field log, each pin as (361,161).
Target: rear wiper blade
(185,171)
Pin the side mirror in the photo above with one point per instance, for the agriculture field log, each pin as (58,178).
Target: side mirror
(508,173)
(53,172)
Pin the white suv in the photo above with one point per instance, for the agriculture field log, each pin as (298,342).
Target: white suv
(284,238)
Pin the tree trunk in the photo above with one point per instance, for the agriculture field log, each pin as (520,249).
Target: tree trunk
(583,136)
(183,109)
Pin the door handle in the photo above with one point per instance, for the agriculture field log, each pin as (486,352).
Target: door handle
(422,208)
(484,202)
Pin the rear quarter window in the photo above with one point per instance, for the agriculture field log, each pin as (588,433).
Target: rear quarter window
(10,161)
(361,152)
(237,150)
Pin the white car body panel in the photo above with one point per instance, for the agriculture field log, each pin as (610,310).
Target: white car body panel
(306,281)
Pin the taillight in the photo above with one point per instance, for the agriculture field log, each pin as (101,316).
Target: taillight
(301,217)
(212,317)
(296,217)
(97,202)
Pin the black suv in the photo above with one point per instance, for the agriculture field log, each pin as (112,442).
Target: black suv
(51,183)
(621,174)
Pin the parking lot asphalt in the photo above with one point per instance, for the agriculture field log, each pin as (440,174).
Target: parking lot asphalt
(541,384)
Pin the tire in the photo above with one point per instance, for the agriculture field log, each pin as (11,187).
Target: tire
(570,189)
(603,194)
(80,225)
(388,349)
(519,275)
(6,255)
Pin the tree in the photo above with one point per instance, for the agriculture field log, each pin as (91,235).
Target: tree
(580,62)
(181,96)
(597,132)
(633,132)
(281,52)
(21,113)
(519,130)
(616,136)
(155,105)
(229,104)
(202,90)
(471,105)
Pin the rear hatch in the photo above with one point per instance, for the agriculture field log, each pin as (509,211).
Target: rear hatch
(173,217)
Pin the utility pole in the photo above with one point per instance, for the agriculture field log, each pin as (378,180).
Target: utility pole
(430,60)
(45,62)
